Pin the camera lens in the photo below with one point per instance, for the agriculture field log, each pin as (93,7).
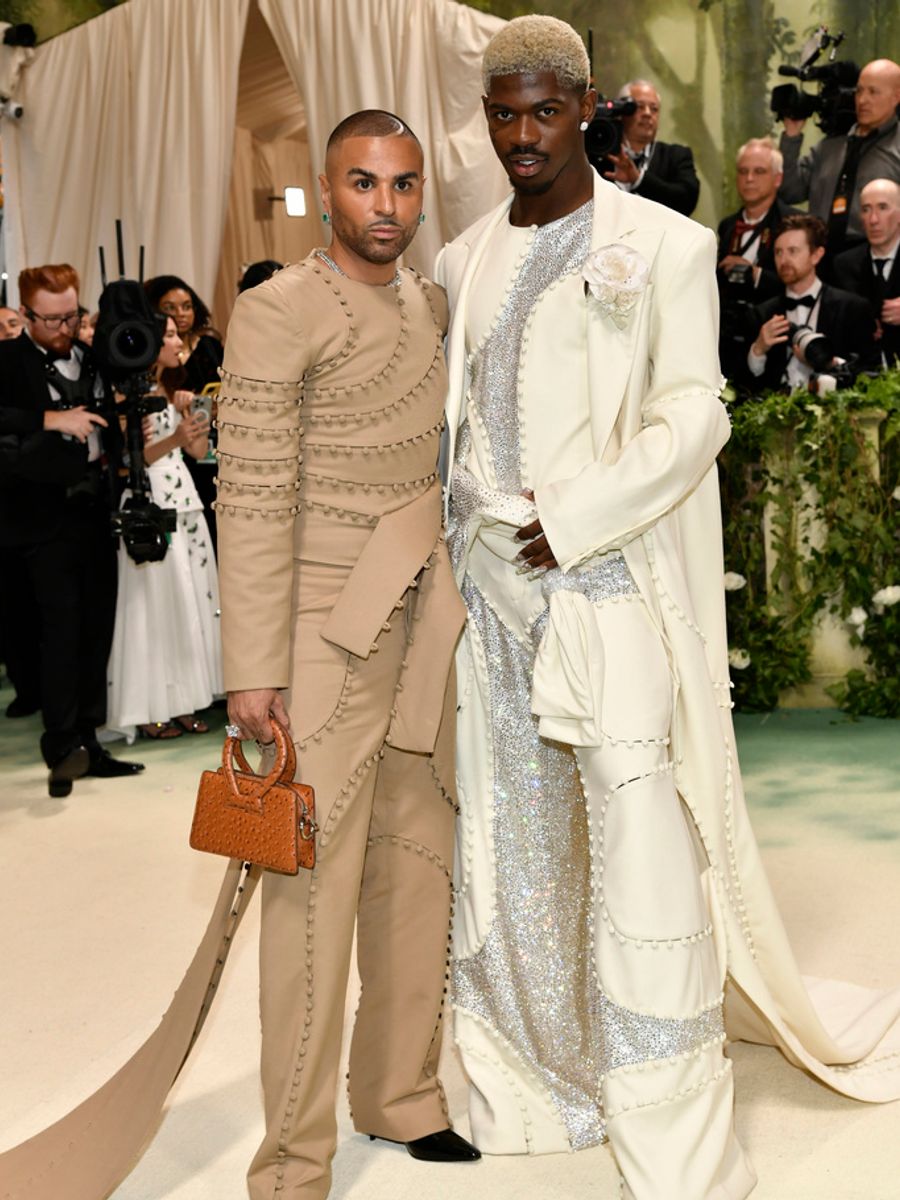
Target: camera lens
(131,343)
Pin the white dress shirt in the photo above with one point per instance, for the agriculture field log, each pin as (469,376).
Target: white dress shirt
(629,186)
(798,373)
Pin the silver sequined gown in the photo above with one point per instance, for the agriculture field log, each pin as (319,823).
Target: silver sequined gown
(531,984)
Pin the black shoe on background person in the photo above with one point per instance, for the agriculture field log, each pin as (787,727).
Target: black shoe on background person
(102,765)
(19,707)
(71,766)
(443,1146)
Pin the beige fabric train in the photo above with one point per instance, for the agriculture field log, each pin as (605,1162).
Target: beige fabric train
(88,1152)
(335,585)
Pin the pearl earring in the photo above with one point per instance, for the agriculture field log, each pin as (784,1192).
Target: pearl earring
(583,126)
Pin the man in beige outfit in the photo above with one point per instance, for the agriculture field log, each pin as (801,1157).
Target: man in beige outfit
(339,617)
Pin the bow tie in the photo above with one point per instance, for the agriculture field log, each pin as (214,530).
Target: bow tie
(800,301)
(54,356)
(741,226)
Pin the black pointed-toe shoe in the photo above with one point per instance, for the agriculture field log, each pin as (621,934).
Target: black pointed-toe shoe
(71,766)
(443,1146)
(19,707)
(102,765)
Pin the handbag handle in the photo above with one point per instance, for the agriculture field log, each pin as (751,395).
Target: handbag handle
(282,771)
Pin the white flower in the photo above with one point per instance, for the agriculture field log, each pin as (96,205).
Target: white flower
(739,659)
(616,275)
(896,492)
(885,597)
(857,616)
(733,581)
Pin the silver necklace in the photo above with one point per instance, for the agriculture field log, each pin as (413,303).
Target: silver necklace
(329,262)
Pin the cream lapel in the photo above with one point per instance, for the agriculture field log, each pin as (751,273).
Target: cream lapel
(611,350)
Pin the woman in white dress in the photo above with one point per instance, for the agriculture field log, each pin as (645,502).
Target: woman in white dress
(166,659)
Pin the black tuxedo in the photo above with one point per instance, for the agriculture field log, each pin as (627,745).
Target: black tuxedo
(671,178)
(57,545)
(37,467)
(769,283)
(844,319)
(853,272)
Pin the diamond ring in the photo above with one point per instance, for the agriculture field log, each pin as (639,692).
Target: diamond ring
(233,731)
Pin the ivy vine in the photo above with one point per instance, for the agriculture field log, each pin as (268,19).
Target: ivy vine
(802,467)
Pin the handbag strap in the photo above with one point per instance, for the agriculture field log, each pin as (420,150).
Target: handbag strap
(283,769)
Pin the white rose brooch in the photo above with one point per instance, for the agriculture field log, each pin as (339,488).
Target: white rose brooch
(615,276)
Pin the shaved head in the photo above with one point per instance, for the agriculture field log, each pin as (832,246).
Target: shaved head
(887,189)
(369,123)
(372,192)
(879,210)
(883,68)
(877,94)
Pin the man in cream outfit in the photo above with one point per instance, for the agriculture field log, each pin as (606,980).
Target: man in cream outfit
(608,883)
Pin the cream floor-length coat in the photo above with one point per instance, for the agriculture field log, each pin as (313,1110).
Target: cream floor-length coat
(637,472)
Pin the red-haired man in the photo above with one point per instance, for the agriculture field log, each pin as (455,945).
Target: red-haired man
(56,490)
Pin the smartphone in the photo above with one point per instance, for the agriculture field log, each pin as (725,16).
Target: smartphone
(203,404)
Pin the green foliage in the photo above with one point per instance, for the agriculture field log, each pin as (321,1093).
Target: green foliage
(803,469)
(784,41)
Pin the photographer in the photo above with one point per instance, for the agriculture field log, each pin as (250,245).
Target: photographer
(746,271)
(57,482)
(836,170)
(781,356)
(747,237)
(872,270)
(656,170)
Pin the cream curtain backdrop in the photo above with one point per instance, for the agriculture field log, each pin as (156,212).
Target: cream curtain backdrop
(131,115)
(418,58)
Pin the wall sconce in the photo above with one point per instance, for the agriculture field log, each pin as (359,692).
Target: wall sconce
(294,200)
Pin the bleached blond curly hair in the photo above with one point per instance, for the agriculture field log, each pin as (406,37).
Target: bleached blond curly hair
(528,45)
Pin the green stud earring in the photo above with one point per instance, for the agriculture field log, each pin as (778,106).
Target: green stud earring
(421,218)
(325,218)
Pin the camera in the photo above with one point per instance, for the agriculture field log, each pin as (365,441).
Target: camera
(22,35)
(603,136)
(834,103)
(813,347)
(739,320)
(828,372)
(16,51)
(127,341)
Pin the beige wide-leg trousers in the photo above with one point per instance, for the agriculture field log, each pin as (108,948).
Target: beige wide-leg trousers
(385,846)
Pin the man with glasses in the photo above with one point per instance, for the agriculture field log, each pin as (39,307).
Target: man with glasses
(660,171)
(57,488)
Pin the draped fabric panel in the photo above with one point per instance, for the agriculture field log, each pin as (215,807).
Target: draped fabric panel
(418,58)
(256,227)
(130,115)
